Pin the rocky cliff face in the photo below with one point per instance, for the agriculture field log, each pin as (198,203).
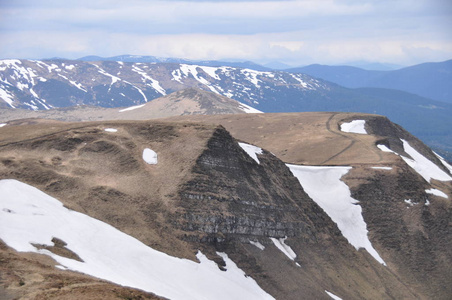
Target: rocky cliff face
(232,197)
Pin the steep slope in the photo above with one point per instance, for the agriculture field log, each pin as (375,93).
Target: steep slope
(209,193)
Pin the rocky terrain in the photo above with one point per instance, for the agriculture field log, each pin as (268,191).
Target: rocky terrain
(212,193)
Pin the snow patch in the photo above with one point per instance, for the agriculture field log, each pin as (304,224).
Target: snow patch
(279,243)
(423,166)
(248,109)
(110,129)
(257,244)
(131,108)
(78,85)
(410,202)
(382,168)
(251,150)
(384,148)
(154,83)
(444,162)
(149,156)
(355,126)
(333,296)
(324,186)
(112,255)
(3,124)
(192,69)
(437,193)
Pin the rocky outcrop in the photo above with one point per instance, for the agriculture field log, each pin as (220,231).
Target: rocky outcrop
(233,197)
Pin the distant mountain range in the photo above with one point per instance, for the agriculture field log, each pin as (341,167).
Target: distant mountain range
(155,59)
(430,80)
(63,83)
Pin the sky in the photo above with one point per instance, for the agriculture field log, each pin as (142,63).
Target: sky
(299,32)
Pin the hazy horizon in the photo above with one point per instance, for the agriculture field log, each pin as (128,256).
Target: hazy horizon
(296,33)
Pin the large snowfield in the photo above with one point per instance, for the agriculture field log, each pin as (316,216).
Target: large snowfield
(324,186)
(27,215)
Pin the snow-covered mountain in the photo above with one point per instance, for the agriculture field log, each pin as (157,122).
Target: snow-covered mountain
(46,84)
(242,206)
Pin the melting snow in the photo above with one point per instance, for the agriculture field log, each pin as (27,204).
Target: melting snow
(410,202)
(131,108)
(149,156)
(258,245)
(444,162)
(324,186)
(382,168)
(248,109)
(302,83)
(28,216)
(192,69)
(113,78)
(251,150)
(279,243)
(437,193)
(385,149)
(154,83)
(111,129)
(333,296)
(356,126)
(423,166)
(7,97)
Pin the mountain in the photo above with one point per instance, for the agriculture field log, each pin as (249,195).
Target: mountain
(430,80)
(257,206)
(154,59)
(190,101)
(49,84)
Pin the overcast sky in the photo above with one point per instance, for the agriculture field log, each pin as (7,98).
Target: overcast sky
(402,32)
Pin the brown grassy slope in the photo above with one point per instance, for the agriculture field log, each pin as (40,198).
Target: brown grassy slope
(98,172)
(189,101)
(102,174)
(311,138)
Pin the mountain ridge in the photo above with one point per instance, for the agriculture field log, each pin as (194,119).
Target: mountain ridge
(41,85)
(207,193)
(428,80)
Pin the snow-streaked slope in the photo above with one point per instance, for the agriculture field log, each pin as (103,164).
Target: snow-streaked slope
(284,248)
(444,162)
(28,216)
(436,192)
(251,150)
(324,186)
(355,126)
(248,109)
(423,165)
(31,84)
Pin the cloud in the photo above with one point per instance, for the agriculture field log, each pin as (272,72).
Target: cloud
(298,32)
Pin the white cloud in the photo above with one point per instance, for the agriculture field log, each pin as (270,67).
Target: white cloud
(297,32)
